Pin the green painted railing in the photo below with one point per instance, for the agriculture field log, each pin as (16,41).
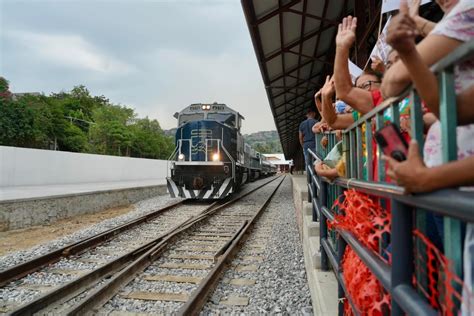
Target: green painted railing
(408,211)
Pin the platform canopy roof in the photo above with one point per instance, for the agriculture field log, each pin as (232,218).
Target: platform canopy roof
(294,41)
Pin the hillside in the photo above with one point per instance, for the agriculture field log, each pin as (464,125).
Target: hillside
(266,142)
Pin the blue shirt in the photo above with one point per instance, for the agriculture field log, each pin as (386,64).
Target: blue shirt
(305,128)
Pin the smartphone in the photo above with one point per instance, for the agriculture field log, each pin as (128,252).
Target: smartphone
(391,141)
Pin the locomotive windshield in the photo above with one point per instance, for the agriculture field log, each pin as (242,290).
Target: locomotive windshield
(184,118)
(226,118)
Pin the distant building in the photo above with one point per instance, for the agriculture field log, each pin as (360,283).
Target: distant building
(279,161)
(16,96)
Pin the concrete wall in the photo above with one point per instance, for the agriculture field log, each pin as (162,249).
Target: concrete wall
(22,214)
(29,167)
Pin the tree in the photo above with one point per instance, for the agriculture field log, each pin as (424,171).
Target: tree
(16,124)
(5,93)
(149,141)
(77,121)
(110,134)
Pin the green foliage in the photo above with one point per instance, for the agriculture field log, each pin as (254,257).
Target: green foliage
(149,138)
(16,124)
(4,85)
(4,90)
(266,142)
(76,121)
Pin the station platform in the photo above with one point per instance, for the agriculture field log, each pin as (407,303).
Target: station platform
(25,206)
(322,284)
(37,192)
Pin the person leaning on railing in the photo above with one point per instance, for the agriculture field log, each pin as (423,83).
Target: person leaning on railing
(340,107)
(415,174)
(365,95)
(333,165)
(455,28)
(321,126)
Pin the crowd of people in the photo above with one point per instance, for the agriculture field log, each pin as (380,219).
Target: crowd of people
(341,102)
(416,44)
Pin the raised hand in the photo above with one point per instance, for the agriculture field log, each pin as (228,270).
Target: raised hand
(346,35)
(414,8)
(329,88)
(317,95)
(377,65)
(401,32)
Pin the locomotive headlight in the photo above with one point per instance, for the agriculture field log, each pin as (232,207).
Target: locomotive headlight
(180,157)
(215,157)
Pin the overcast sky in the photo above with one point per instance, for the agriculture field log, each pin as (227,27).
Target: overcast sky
(155,56)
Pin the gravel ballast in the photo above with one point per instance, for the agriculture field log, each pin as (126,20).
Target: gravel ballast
(281,286)
(273,246)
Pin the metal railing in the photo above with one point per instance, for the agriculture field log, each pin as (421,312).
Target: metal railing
(409,212)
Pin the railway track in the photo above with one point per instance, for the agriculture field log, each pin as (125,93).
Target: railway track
(215,239)
(27,267)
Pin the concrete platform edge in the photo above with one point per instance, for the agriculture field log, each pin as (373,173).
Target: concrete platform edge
(323,285)
(23,213)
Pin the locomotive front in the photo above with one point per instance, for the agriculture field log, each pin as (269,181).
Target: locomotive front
(209,147)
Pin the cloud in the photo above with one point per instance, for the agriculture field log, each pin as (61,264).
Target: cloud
(228,78)
(155,56)
(71,51)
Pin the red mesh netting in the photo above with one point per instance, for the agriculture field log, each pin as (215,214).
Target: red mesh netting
(362,286)
(443,288)
(367,220)
(363,217)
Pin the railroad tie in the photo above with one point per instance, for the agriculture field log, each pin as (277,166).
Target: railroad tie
(174,278)
(186,266)
(190,256)
(235,300)
(199,249)
(241,282)
(67,271)
(246,268)
(156,296)
(253,258)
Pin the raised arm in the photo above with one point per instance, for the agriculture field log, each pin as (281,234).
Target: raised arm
(327,109)
(415,60)
(317,100)
(334,120)
(359,99)
(423,25)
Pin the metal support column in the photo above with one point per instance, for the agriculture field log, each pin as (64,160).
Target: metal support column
(402,249)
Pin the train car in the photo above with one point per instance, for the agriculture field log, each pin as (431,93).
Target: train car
(210,160)
(268,169)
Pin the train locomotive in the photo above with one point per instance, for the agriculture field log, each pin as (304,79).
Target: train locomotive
(211,160)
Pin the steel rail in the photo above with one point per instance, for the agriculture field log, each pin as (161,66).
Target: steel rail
(35,264)
(105,292)
(199,297)
(85,281)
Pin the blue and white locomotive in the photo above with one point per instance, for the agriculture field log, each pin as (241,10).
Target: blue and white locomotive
(211,160)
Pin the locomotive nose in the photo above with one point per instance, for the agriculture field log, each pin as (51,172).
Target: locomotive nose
(198,183)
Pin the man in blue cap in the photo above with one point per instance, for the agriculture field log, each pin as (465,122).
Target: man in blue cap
(306,135)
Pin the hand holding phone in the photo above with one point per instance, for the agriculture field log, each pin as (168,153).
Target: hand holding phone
(391,141)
